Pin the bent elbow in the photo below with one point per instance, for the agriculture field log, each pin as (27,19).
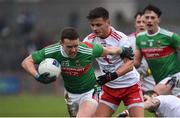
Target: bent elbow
(26,61)
(23,63)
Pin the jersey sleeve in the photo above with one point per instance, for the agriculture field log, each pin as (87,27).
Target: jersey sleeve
(46,52)
(97,50)
(89,38)
(127,43)
(86,39)
(132,42)
(137,42)
(175,40)
(124,41)
(38,56)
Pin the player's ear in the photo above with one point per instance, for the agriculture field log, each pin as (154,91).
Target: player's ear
(108,21)
(159,20)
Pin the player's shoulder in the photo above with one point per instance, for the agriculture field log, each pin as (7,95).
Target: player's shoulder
(90,37)
(118,35)
(87,48)
(52,48)
(55,45)
(132,36)
(141,33)
(166,32)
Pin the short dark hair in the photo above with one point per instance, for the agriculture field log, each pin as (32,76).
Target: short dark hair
(98,12)
(138,13)
(69,33)
(154,9)
(150,93)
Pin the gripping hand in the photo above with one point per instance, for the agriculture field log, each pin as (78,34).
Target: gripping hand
(127,53)
(174,82)
(45,79)
(101,80)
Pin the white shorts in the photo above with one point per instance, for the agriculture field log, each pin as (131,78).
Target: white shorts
(71,98)
(148,83)
(176,90)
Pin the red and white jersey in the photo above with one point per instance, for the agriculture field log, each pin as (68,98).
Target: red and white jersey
(132,40)
(111,63)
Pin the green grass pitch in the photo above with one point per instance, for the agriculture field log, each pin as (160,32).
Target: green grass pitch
(37,106)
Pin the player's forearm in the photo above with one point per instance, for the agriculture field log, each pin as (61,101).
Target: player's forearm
(115,50)
(28,65)
(111,51)
(126,67)
(137,58)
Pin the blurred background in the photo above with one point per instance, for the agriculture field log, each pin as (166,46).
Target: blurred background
(29,25)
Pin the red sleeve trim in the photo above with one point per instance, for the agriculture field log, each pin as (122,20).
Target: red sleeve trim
(88,44)
(91,36)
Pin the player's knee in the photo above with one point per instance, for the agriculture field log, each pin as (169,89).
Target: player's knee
(73,109)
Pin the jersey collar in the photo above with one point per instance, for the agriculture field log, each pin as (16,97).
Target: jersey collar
(63,52)
(154,33)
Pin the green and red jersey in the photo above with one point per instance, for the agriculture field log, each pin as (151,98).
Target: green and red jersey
(78,73)
(160,52)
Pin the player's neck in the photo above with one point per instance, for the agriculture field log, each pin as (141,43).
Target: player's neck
(109,31)
(153,31)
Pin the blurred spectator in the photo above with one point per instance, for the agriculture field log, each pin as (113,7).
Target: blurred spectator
(30,45)
(73,19)
(4,28)
(42,39)
(26,22)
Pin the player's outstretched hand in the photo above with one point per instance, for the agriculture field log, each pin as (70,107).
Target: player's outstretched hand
(45,79)
(101,80)
(127,52)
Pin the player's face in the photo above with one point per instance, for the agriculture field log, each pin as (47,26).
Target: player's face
(152,21)
(100,27)
(146,98)
(150,103)
(70,47)
(140,24)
